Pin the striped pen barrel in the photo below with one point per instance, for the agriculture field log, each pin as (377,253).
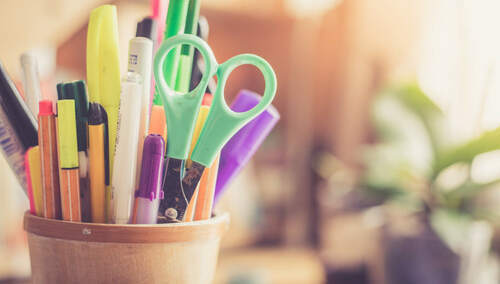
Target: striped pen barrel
(47,137)
(69,176)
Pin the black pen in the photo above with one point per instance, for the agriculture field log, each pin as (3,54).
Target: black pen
(18,127)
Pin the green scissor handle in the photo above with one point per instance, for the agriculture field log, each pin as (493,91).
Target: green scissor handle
(181,110)
(222,123)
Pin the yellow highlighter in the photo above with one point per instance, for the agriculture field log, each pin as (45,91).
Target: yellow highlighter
(200,121)
(69,178)
(35,170)
(98,157)
(103,68)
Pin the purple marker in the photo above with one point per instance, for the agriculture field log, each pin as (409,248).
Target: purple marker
(241,147)
(148,195)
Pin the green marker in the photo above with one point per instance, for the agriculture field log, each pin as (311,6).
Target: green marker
(176,21)
(187,51)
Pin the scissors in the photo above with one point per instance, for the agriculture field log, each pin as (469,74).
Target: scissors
(181,111)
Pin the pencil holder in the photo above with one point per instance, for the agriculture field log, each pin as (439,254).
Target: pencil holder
(69,252)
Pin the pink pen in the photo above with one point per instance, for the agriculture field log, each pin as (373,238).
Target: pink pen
(159,13)
(28,182)
(148,195)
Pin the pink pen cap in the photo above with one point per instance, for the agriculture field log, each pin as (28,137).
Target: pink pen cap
(149,193)
(159,13)
(45,108)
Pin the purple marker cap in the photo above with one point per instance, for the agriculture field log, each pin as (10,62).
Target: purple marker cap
(152,167)
(241,147)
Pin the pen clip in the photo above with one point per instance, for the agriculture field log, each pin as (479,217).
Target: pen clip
(106,147)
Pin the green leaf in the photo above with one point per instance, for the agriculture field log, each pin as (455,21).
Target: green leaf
(413,98)
(487,142)
(451,226)
(416,100)
(470,189)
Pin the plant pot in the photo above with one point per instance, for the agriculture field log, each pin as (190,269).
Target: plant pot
(71,252)
(418,256)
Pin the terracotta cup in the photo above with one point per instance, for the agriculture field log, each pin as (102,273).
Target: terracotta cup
(70,252)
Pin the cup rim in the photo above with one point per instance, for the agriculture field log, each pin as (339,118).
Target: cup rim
(214,227)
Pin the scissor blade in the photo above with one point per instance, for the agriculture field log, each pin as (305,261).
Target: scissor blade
(192,178)
(172,189)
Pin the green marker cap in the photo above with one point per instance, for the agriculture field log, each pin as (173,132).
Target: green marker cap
(156,98)
(77,91)
(191,24)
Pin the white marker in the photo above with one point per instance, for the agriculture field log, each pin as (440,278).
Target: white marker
(140,57)
(31,82)
(123,184)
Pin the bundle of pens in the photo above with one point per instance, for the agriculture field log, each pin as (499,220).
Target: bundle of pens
(104,156)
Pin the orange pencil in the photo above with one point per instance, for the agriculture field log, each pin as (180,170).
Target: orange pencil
(206,191)
(48,158)
(158,123)
(69,175)
(98,157)
(189,215)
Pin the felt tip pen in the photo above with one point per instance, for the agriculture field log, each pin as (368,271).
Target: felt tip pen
(47,137)
(175,24)
(98,162)
(69,178)
(241,147)
(148,194)
(77,91)
(124,171)
(31,81)
(18,127)
(183,79)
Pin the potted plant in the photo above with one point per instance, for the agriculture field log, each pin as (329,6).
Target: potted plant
(416,169)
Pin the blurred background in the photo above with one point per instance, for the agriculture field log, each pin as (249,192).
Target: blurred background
(385,165)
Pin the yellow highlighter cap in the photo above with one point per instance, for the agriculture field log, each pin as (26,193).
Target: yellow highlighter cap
(103,66)
(200,122)
(66,123)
